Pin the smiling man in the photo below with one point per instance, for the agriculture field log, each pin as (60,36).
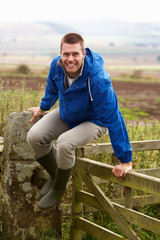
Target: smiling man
(87,108)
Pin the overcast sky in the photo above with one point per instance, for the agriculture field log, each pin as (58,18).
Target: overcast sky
(65,10)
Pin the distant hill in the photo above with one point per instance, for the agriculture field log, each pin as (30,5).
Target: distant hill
(43,38)
(32,29)
(114,27)
(129,32)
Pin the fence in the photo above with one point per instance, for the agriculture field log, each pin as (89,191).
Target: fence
(120,209)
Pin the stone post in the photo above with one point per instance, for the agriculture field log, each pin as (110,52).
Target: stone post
(21,179)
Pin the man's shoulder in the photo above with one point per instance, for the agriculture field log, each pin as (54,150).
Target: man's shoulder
(101,76)
(55,61)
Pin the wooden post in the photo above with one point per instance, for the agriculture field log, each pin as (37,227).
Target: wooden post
(120,189)
(128,197)
(77,207)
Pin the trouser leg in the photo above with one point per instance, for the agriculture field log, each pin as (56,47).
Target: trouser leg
(68,142)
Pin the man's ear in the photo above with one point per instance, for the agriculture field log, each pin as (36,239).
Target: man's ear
(84,54)
(61,53)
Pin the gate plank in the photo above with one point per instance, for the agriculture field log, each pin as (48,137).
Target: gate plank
(100,148)
(139,201)
(97,231)
(133,179)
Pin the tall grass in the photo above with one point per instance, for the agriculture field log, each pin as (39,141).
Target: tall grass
(17,100)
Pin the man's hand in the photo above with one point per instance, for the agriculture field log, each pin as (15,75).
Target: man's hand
(122,169)
(37,112)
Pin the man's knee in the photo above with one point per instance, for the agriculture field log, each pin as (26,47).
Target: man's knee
(65,144)
(33,137)
(65,152)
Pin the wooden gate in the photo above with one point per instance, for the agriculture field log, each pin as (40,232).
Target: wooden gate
(120,210)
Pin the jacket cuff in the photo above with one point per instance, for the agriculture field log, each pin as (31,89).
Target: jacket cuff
(126,157)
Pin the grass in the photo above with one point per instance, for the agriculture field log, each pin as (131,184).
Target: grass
(133,113)
(16,101)
(157,100)
(9,74)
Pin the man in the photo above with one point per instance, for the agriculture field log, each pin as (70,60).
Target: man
(87,108)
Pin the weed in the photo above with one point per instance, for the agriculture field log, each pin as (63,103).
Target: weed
(48,235)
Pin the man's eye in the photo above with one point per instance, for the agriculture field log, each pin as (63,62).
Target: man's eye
(65,54)
(75,54)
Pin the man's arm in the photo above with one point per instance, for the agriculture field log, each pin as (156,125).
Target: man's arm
(106,106)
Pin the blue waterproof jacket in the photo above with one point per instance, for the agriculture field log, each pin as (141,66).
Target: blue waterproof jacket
(90,98)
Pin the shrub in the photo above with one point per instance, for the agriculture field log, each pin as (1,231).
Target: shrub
(23,69)
(137,74)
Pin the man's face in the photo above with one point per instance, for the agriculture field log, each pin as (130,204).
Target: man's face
(72,58)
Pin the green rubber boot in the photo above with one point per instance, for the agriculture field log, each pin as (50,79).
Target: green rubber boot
(56,191)
(48,162)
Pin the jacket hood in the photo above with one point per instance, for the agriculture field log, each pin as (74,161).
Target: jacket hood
(94,62)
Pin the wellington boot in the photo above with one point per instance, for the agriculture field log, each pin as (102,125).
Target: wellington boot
(56,191)
(46,187)
(48,162)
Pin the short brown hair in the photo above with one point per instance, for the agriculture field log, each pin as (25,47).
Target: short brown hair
(73,38)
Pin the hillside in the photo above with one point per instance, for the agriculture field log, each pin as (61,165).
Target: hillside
(43,38)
